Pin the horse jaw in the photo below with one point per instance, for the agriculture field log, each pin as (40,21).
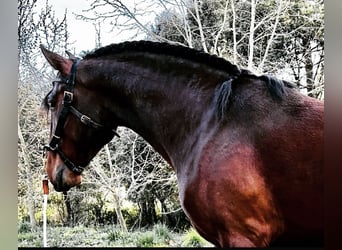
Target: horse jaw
(59,175)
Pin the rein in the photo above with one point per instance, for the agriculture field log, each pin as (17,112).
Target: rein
(67,108)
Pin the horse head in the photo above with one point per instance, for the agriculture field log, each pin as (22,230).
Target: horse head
(79,128)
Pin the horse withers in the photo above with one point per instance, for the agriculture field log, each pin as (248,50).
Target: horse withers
(247,150)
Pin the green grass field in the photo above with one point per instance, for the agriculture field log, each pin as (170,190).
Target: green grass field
(108,236)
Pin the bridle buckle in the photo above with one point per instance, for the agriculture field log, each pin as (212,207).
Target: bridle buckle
(68,97)
(85,119)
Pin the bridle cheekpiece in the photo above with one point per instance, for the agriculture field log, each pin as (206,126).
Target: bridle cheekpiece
(67,108)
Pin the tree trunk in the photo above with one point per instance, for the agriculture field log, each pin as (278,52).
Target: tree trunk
(270,41)
(200,28)
(309,71)
(69,220)
(251,35)
(72,204)
(167,218)
(148,215)
(234,33)
(118,212)
(221,29)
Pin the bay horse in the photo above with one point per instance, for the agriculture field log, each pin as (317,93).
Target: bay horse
(247,150)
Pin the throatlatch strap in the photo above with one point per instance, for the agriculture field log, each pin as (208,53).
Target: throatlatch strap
(85,119)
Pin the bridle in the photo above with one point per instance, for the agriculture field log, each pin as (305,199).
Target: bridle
(67,108)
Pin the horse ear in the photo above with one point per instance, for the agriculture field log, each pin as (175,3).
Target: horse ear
(58,62)
(71,56)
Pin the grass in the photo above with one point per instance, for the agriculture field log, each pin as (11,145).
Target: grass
(108,236)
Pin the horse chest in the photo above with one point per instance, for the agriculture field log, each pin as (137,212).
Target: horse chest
(227,199)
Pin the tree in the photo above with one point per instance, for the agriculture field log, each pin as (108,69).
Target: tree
(126,16)
(302,46)
(149,178)
(105,174)
(26,149)
(32,129)
(52,31)
(26,29)
(27,37)
(34,29)
(264,36)
(129,169)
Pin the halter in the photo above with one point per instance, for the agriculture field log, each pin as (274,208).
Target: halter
(67,108)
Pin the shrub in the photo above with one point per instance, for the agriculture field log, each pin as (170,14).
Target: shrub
(24,227)
(115,234)
(145,240)
(162,232)
(193,239)
(30,239)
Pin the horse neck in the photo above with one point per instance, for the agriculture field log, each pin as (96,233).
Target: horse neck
(170,108)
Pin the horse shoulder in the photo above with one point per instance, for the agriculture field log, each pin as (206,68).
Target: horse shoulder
(229,198)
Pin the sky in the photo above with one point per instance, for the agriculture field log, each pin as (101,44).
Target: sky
(82,33)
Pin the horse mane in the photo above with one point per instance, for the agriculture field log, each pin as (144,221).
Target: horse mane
(163,48)
(276,86)
(223,92)
(222,96)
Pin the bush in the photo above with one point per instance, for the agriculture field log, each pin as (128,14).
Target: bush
(116,234)
(193,239)
(145,240)
(162,232)
(30,239)
(24,227)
